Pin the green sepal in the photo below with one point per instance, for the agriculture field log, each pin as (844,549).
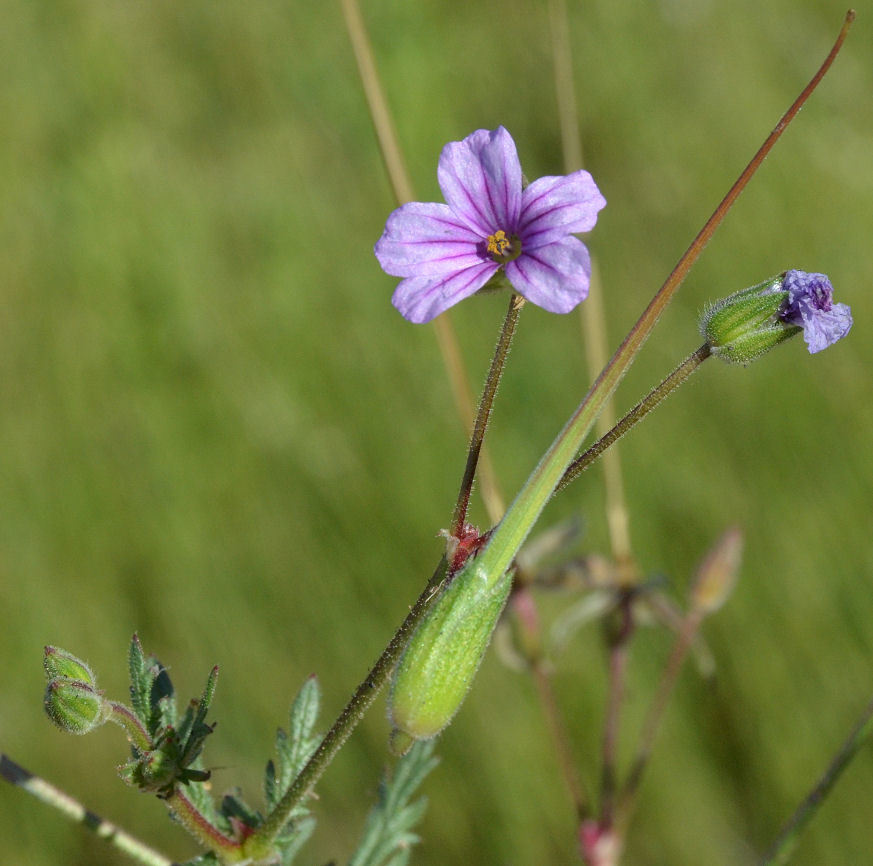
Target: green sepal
(749,347)
(440,661)
(60,663)
(746,324)
(74,706)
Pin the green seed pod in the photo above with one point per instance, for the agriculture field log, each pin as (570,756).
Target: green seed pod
(438,665)
(75,707)
(60,663)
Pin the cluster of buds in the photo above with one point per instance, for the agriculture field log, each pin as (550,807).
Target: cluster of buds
(72,700)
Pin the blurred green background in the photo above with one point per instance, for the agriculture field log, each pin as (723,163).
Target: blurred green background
(217,432)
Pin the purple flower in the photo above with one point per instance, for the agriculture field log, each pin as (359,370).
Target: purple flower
(810,306)
(447,252)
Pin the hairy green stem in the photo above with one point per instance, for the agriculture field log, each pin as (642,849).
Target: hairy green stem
(137,734)
(486,403)
(75,811)
(203,830)
(259,844)
(635,415)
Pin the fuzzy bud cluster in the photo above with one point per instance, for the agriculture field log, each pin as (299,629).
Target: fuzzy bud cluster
(72,700)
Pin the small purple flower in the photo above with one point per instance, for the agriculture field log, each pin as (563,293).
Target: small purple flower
(811,307)
(447,252)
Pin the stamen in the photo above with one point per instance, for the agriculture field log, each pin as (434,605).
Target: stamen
(502,248)
(498,243)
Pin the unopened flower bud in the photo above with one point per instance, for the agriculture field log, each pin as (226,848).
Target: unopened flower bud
(745,325)
(60,663)
(742,326)
(438,665)
(717,574)
(75,706)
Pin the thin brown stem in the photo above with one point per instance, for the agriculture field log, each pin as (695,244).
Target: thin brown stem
(638,334)
(463,397)
(565,92)
(560,739)
(592,314)
(655,714)
(486,403)
(523,606)
(386,135)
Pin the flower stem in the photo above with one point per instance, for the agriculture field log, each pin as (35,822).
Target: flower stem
(73,809)
(137,734)
(398,176)
(782,847)
(486,403)
(259,844)
(635,415)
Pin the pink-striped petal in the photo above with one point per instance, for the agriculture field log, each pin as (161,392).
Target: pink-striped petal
(420,299)
(481,180)
(554,207)
(554,277)
(426,239)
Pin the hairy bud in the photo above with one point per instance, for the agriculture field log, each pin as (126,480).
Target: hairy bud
(75,706)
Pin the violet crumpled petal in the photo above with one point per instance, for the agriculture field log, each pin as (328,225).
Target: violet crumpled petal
(823,328)
(554,207)
(480,178)
(420,299)
(554,277)
(426,239)
(811,307)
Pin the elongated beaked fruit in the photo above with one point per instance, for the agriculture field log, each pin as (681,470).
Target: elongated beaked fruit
(437,667)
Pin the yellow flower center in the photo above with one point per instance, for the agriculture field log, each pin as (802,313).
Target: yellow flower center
(502,248)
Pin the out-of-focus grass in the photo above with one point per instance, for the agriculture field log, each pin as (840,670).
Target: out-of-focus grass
(216,431)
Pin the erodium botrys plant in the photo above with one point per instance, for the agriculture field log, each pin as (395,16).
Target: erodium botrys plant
(495,232)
